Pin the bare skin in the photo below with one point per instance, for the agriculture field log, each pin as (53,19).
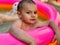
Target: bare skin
(6,18)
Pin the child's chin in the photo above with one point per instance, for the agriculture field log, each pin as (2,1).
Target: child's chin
(33,22)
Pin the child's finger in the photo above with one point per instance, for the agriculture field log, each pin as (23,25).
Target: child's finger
(54,38)
(58,42)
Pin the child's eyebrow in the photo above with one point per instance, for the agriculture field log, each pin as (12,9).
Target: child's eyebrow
(31,10)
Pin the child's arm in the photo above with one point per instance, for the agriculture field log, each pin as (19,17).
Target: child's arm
(6,18)
(21,35)
(56,30)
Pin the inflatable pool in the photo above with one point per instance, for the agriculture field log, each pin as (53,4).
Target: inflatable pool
(41,35)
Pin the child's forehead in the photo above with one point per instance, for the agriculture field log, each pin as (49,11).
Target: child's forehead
(29,6)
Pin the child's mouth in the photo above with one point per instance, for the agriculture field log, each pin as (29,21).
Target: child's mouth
(33,19)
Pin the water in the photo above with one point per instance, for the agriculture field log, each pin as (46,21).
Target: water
(5,27)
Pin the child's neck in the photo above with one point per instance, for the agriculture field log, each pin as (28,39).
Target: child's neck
(26,26)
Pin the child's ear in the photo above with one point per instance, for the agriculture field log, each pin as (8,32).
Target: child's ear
(19,14)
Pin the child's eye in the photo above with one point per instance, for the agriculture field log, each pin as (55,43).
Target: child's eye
(28,12)
(35,12)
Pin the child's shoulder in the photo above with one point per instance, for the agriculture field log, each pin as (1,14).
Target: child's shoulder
(15,26)
(17,23)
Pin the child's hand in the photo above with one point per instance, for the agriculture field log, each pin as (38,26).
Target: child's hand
(56,40)
(54,26)
(57,32)
(33,43)
(58,37)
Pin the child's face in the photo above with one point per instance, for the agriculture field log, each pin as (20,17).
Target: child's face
(29,13)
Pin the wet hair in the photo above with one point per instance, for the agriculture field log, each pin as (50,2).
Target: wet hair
(21,3)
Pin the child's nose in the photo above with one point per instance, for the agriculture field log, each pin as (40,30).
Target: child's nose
(33,15)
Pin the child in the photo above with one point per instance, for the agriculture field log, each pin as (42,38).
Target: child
(27,13)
